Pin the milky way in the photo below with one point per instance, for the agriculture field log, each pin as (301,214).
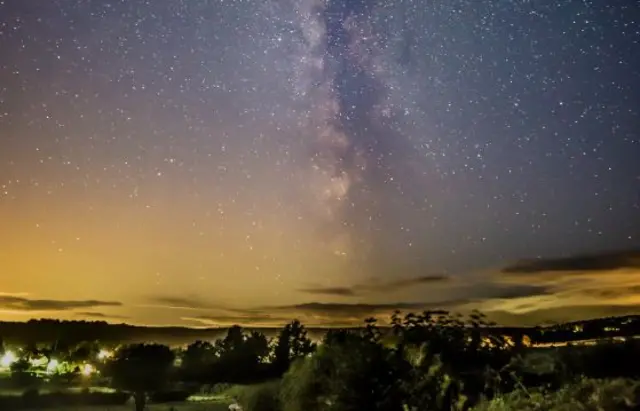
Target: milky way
(345,73)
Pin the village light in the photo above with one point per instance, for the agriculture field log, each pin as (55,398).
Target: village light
(7,359)
(87,370)
(52,366)
(104,354)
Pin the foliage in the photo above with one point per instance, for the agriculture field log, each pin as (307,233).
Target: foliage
(197,360)
(240,357)
(349,371)
(85,351)
(261,397)
(439,362)
(292,343)
(453,362)
(584,394)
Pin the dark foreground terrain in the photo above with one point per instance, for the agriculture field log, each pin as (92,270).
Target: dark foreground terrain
(430,361)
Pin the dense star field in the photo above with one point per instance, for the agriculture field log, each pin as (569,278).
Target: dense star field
(216,162)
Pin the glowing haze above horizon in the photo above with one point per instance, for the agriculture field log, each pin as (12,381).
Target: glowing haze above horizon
(250,161)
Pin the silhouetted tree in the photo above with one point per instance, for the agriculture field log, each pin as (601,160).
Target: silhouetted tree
(241,356)
(453,362)
(197,360)
(31,350)
(350,371)
(141,369)
(232,341)
(85,351)
(257,344)
(291,343)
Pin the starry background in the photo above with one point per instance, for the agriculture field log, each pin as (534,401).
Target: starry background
(205,162)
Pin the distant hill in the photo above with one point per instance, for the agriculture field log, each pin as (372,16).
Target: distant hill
(49,331)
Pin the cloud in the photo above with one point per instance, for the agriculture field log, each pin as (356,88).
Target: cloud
(467,297)
(578,287)
(331,314)
(96,315)
(377,286)
(407,282)
(591,262)
(337,291)
(183,303)
(351,309)
(18,303)
(254,320)
(558,315)
(599,276)
(613,292)
(313,314)
(525,293)
(350,314)
(511,291)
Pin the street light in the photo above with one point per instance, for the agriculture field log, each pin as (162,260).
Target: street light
(7,359)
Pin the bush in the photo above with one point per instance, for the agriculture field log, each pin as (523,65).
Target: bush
(220,388)
(585,394)
(349,372)
(261,397)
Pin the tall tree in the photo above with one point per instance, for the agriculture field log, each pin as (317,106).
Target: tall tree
(292,343)
(233,340)
(241,356)
(85,351)
(257,345)
(141,369)
(197,360)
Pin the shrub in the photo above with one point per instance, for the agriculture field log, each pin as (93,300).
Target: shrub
(585,394)
(348,372)
(220,388)
(261,397)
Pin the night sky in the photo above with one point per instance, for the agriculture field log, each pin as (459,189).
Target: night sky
(251,161)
